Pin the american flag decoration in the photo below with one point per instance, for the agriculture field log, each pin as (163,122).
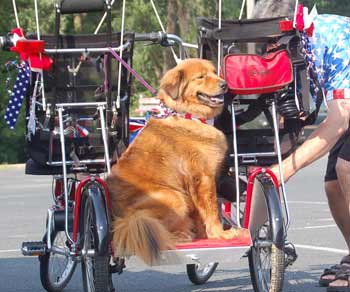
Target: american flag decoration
(17,96)
(135,127)
(328,55)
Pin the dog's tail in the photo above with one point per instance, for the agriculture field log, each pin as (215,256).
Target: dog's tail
(141,234)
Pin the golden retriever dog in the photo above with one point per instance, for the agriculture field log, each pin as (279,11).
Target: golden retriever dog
(163,188)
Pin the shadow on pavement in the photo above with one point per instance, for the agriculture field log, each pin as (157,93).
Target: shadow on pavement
(22,275)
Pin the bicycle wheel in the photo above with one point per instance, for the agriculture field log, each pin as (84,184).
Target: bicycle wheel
(266,259)
(200,274)
(95,267)
(56,270)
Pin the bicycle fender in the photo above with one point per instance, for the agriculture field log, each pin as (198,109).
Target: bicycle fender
(100,219)
(274,209)
(267,205)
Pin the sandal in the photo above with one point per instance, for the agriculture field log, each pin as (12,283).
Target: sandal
(343,275)
(331,271)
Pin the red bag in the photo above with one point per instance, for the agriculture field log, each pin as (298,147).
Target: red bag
(254,74)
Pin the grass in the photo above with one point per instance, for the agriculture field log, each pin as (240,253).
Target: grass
(7,166)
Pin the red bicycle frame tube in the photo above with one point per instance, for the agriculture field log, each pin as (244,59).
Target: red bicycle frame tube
(250,190)
(78,194)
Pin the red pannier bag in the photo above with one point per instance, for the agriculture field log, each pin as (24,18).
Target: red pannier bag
(256,74)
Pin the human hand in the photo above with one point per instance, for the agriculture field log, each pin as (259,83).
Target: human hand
(275,169)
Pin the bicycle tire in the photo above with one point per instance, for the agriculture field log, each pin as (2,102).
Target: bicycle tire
(55,284)
(95,268)
(198,275)
(266,261)
(274,283)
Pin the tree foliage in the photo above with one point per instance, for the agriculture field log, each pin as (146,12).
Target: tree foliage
(178,16)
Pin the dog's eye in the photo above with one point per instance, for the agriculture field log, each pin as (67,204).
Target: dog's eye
(200,77)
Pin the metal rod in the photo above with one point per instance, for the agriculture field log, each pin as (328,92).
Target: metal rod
(163,29)
(85,50)
(219,41)
(235,151)
(50,213)
(71,162)
(81,104)
(265,154)
(188,45)
(104,137)
(16,13)
(242,10)
(102,20)
(121,56)
(38,37)
(60,251)
(37,18)
(279,156)
(64,167)
(178,40)
(43,98)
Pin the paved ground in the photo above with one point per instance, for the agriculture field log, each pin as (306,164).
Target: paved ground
(23,204)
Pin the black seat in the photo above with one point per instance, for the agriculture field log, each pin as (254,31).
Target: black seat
(83,71)
(81,6)
(34,168)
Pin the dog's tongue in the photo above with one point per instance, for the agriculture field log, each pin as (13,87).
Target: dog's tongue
(217,99)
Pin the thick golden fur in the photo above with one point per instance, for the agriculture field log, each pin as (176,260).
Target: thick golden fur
(163,187)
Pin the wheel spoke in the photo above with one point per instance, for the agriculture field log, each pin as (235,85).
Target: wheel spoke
(56,269)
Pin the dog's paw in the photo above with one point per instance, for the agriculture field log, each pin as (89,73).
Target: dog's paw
(231,233)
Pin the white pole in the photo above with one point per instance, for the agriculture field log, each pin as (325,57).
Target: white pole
(177,60)
(15,11)
(219,41)
(250,8)
(121,55)
(295,13)
(37,19)
(242,10)
(38,37)
(102,20)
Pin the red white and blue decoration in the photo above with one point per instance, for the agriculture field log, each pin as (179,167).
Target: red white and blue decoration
(17,96)
(135,127)
(326,40)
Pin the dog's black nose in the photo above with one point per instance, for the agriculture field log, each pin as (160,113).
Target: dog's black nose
(223,85)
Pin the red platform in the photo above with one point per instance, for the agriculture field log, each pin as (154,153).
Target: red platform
(217,243)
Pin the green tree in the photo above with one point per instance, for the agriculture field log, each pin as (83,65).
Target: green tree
(179,16)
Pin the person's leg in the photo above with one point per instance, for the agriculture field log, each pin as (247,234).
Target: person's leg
(338,204)
(341,214)
(339,207)
(343,174)
(343,217)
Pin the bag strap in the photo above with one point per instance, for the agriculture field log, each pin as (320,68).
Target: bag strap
(311,119)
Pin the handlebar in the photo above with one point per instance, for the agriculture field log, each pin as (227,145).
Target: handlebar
(156,37)
(6,42)
(162,38)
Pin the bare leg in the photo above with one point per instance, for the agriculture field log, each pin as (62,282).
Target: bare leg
(340,202)
(338,193)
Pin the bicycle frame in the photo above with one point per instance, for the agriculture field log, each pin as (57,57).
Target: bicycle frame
(252,176)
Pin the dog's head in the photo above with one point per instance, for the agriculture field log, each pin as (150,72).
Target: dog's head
(193,87)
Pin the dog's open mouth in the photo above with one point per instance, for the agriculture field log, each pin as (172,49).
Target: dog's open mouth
(211,100)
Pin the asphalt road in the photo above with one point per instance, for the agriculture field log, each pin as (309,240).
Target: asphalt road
(23,204)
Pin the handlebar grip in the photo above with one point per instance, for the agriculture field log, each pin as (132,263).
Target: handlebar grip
(6,42)
(155,37)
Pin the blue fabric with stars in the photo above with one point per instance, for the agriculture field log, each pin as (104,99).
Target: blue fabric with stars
(17,96)
(330,52)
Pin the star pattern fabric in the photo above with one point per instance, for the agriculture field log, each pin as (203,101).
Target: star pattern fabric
(17,96)
(328,52)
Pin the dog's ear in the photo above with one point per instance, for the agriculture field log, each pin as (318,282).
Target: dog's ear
(171,83)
